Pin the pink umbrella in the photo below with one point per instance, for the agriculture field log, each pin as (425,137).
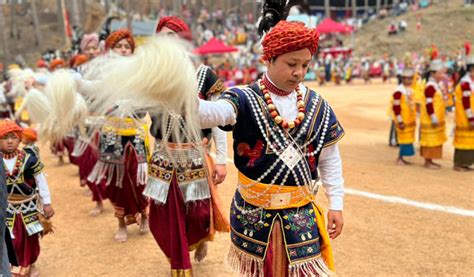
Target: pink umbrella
(214,46)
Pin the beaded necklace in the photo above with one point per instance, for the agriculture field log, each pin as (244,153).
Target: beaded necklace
(11,155)
(266,87)
(13,175)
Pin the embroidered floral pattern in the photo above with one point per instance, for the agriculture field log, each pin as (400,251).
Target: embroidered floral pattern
(306,250)
(247,245)
(252,221)
(300,221)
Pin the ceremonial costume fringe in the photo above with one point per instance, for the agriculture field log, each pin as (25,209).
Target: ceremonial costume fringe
(244,264)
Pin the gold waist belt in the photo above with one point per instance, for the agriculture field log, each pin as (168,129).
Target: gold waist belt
(273,197)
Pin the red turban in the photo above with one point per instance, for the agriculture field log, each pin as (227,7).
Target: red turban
(177,25)
(56,63)
(41,64)
(117,36)
(8,126)
(30,134)
(77,60)
(288,37)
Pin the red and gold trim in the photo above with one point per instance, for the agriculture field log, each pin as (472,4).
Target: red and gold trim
(181,273)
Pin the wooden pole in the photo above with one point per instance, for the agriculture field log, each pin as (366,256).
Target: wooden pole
(4,30)
(36,25)
(60,15)
(13,25)
(327,10)
(129,16)
(354,8)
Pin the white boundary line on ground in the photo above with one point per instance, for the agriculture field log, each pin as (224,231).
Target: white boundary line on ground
(408,202)
(403,201)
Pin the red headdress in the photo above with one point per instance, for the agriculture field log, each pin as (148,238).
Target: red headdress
(288,37)
(56,63)
(8,126)
(30,134)
(77,60)
(117,36)
(177,25)
(41,64)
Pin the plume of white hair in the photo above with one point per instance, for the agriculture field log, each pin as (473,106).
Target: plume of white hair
(19,79)
(37,105)
(159,78)
(67,107)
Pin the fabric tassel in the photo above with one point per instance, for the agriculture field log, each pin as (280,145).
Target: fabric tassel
(79,148)
(244,264)
(197,190)
(142,174)
(315,267)
(157,190)
(98,173)
(117,171)
(107,171)
(34,228)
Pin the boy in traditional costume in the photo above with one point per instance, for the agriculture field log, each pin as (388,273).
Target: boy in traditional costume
(464,132)
(283,134)
(28,193)
(433,111)
(404,116)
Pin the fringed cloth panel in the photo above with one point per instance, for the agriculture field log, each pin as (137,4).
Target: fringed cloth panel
(306,241)
(27,209)
(114,173)
(183,162)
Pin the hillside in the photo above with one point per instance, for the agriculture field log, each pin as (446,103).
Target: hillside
(51,36)
(447,25)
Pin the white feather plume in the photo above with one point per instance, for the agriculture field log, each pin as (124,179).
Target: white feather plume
(159,78)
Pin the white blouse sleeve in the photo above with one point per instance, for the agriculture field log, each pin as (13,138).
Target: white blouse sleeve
(42,184)
(218,113)
(220,139)
(330,169)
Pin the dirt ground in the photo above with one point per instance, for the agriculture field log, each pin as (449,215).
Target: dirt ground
(379,238)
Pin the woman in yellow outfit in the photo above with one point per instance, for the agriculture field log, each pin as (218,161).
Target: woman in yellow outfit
(404,116)
(433,125)
(464,132)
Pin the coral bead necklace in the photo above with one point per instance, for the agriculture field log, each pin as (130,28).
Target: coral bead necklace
(264,87)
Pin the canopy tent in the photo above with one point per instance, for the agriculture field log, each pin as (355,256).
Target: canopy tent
(328,26)
(215,46)
(336,51)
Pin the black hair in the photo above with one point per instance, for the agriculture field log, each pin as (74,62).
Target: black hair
(273,11)
(469,67)
(463,71)
(427,74)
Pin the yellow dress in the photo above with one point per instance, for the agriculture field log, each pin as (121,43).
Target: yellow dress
(418,88)
(24,116)
(433,136)
(463,135)
(408,114)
